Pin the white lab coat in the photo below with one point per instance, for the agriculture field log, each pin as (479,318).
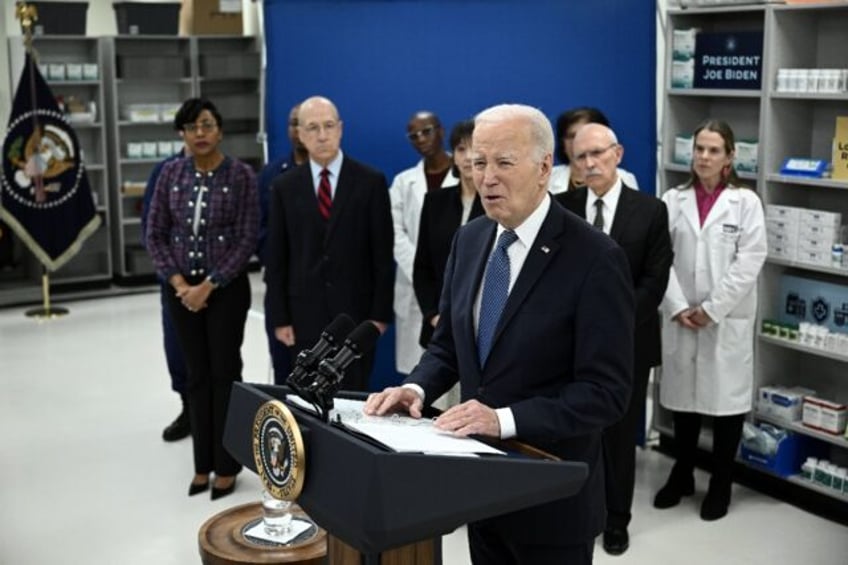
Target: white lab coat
(561,174)
(407,196)
(710,371)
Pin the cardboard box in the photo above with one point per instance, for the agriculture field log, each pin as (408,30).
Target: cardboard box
(789,213)
(792,450)
(781,402)
(211,17)
(840,149)
(824,415)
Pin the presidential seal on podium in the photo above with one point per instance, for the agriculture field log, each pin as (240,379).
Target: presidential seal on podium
(278,450)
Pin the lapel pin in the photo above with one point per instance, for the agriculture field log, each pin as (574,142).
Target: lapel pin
(546,249)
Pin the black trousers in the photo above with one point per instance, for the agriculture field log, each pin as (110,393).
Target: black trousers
(173,353)
(727,431)
(491,548)
(619,443)
(211,343)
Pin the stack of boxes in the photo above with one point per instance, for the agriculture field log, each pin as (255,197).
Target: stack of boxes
(683,58)
(803,235)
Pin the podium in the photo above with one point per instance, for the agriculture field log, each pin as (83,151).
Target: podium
(374,499)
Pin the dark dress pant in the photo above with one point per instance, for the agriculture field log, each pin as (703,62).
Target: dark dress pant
(488,547)
(211,341)
(173,354)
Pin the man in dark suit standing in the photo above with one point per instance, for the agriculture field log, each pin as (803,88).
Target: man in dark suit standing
(639,224)
(536,324)
(329,241)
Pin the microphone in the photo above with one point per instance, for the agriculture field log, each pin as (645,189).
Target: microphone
(331,370)
(308,359)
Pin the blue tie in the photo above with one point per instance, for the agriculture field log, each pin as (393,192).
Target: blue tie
(495,292)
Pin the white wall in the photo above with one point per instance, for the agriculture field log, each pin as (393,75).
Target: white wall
(100,22)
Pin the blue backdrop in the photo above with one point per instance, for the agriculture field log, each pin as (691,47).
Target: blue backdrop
(380,61)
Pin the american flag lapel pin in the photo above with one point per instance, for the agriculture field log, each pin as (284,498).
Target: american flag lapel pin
(546,249)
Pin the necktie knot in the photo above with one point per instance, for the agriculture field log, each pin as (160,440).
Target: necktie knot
(507,238)
(325,174)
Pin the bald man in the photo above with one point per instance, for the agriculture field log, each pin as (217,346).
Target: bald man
(329,241)
(639,224)
(433,171)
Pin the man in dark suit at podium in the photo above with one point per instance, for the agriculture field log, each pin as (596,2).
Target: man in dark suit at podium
(638,222)
(536,323)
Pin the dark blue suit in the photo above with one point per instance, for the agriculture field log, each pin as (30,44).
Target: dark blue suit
(561,360)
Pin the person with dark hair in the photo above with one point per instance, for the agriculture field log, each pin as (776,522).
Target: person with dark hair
(718,236)
(638,222)
(537,327)
(433,172)
(280,354)
(442,213)
(329,241)
(180,428)
(563,178)
(202,230)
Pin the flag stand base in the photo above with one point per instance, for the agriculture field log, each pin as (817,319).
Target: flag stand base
(47,313)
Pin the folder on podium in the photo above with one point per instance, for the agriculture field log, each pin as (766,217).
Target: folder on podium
(375,499)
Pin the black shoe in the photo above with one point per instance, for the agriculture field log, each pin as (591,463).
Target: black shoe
(616,541)
(222,492)
(675,488)
(178,429)
(716,502)
(197,488)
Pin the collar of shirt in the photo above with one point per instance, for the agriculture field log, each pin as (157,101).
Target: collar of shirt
(526,232)
(334,166)
(610,200)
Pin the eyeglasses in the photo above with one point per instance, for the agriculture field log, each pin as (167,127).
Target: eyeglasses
(204,126)
(314,129)
(594,153)
(423,132)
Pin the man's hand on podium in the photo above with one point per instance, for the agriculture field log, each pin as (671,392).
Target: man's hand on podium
(470,418)
(394,399)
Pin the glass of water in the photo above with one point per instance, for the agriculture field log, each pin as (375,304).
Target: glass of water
(276,515)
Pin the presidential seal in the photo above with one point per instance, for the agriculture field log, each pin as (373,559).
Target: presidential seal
(278,450)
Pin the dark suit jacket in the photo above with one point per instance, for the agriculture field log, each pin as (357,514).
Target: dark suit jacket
(640,227)
(316,270)
(441,214)
(561,357)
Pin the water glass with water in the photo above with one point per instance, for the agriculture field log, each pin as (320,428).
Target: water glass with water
(276,515)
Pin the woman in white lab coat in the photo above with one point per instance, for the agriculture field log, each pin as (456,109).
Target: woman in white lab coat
(709,312)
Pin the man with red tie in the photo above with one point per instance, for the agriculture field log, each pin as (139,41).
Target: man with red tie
(329,241)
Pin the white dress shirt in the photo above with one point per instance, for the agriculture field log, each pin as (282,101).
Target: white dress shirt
(334,166)
(610,203)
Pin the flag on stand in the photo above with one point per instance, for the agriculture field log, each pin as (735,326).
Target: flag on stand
(45,196)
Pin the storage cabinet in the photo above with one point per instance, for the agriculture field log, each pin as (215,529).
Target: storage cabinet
(58,56)
(786,125)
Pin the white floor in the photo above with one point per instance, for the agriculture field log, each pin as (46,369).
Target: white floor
(85,477)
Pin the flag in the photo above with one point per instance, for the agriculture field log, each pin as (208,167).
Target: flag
(45,197)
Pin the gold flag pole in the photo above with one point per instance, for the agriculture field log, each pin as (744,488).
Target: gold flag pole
(28,15)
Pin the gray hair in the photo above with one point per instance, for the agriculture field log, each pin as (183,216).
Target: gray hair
(541,132)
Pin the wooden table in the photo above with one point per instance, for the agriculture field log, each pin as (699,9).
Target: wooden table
(222,542)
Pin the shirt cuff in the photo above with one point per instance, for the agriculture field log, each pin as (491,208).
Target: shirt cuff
(417,388)
(507,422)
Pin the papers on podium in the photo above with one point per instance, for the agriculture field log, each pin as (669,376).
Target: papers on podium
(401,433)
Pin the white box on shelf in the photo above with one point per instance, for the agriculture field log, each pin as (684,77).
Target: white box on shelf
(164,148)
(813,257)
(148,149)
(167,112)
(682,149)
(746,156)
(824,415)
(817,245)
(90,71)
(135,150)
(56,71)
(176,146)
(821,218)
(683,44)
(782,252)
(807,230)
(783,403)
(73,71)
(783,212)
(682,74)
(785,226)
(783,239)
(142,113)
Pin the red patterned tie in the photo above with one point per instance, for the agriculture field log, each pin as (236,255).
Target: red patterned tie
(325,195)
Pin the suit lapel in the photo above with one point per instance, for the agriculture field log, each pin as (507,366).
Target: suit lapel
(623,213)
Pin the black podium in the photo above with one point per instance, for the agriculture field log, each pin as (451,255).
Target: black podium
(375,499)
